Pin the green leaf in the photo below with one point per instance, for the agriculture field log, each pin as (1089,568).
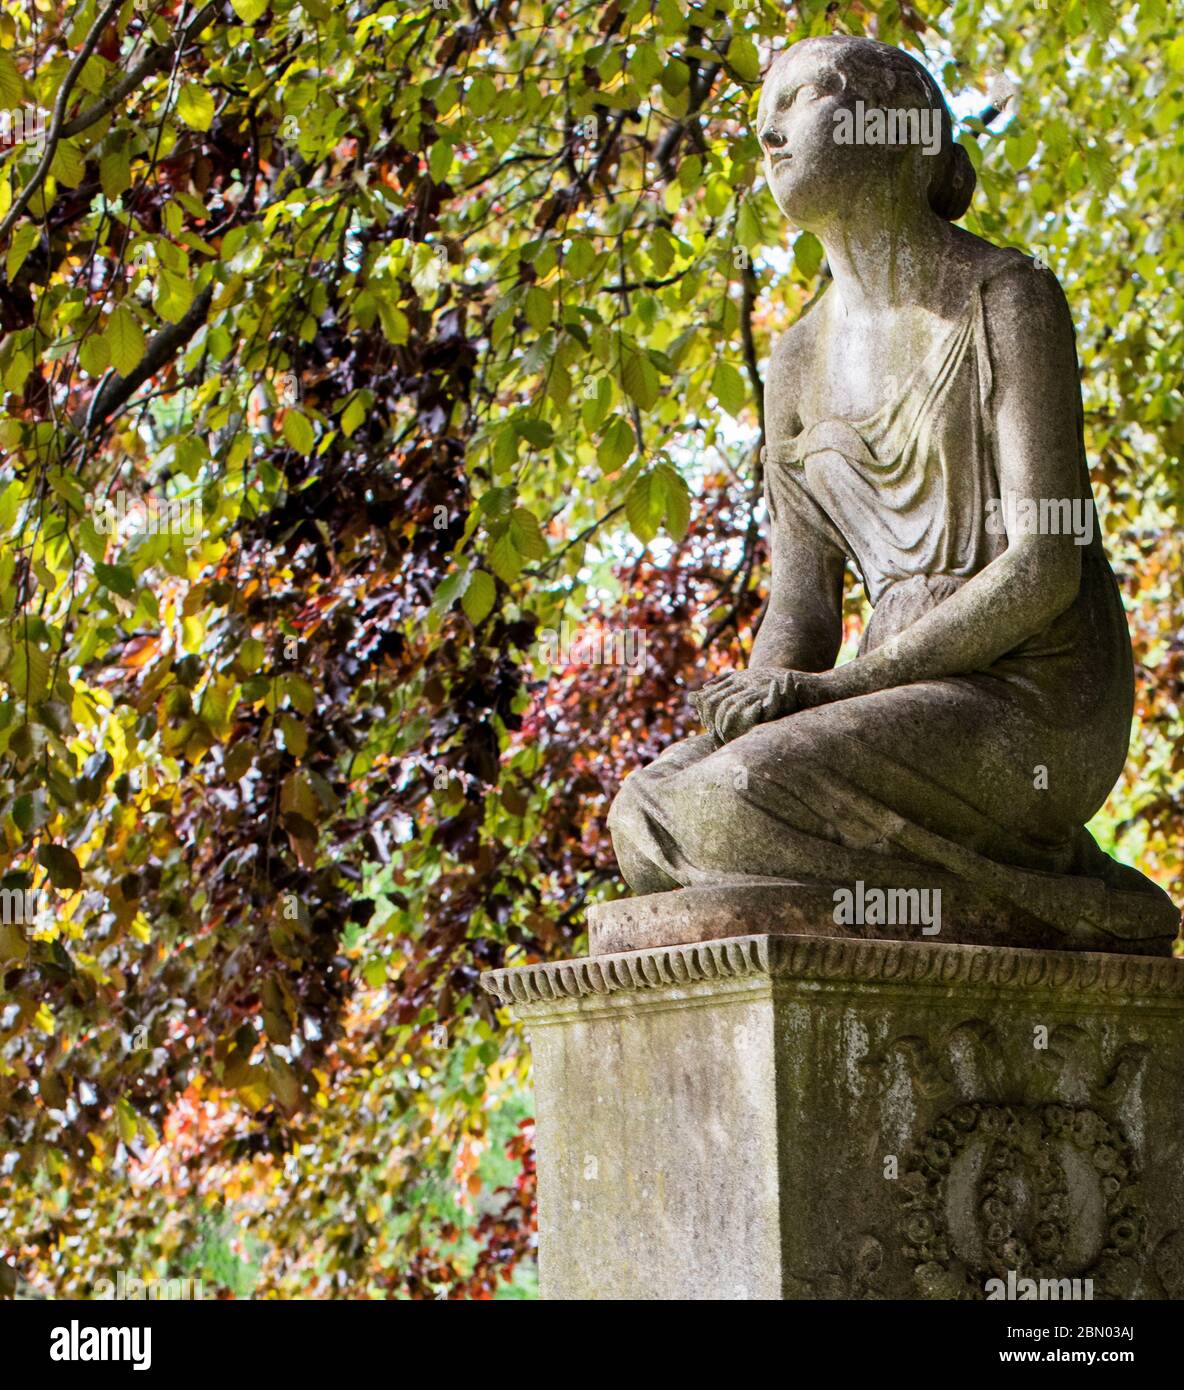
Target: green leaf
(395,324)
(174,295)
(440,161)
(31,811)
(450,589)
(11,496)
(676,77)
(645,504)
(748,225)
(195,106)
(119,578)
(478,597)
(295,735)
(1020,148)
(497,502)
(300,693)
(125,1119)
(1101,170)
(807,254)
(728,387)
(616,445)
(646,63)
(285,1085)
(677,496)
(62,867)
(17,371)
(717,197)
(540,433)
(298,431)
(580,257)
(94,354)
(481,95)
(744,59)
(115,172)
(69,165)
(596,405)
(539,309)
(527,534)
(26,236)
(249,10)
(12,84)
(640,379)
(504,558)
(125,340)
(353,415)
(251,655)
(30,672)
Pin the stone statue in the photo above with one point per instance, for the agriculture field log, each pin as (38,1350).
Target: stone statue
(924,426)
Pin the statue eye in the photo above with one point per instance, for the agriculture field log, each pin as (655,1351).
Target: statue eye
(808,91)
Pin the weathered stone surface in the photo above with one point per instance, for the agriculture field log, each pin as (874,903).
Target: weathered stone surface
(747,1091)
(924,429)
(779,909)
(723,1120)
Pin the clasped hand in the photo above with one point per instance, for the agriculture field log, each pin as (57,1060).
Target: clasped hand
(731,704)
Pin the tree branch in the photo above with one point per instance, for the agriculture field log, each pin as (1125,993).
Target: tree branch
(668,145)
(747,304)
(116,391)
(152,62)
(59,116)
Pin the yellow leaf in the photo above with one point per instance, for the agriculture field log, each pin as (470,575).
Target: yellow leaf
(195,106)
(125,340)
(125,1118)
(298,431)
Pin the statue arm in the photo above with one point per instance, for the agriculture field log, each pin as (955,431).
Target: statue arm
(802,629)
(1036,401)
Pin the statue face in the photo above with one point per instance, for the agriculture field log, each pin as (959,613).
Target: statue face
(795,124)
(813,173)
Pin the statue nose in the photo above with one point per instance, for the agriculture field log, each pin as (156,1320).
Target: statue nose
(772,138)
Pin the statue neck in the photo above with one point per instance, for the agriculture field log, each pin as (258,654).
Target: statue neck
(885,258)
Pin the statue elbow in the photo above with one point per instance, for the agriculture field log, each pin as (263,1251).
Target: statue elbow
(1055,578)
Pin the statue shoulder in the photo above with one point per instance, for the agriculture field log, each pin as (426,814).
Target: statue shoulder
(1024,305)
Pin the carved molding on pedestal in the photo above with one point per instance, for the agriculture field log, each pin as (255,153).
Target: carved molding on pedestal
(812,958)
(733,958)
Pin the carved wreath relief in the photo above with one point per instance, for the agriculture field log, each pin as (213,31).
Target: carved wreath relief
(1043,1191)
(1014,1180)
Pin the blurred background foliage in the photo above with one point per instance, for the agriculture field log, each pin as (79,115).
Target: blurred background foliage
(451,318)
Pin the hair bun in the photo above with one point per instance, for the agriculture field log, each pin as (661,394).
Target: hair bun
(953,186)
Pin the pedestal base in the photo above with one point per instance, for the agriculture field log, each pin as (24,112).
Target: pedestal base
(788,1117)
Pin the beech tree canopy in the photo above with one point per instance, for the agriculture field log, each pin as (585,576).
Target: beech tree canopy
(354,356)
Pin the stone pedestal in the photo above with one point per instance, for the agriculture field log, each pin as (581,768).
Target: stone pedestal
(784,1116)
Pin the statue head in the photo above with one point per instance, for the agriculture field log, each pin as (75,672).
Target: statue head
(842,117)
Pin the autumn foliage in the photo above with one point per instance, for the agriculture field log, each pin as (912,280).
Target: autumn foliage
(447,323)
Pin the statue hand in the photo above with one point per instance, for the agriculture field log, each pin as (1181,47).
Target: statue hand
(731,704)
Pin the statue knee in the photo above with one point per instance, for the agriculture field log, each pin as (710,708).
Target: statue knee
(713,813)
(630,831)
(626,805)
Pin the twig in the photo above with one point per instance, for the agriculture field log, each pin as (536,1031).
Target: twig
(59,117)
(117,390)
(577,540)
(153,61)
